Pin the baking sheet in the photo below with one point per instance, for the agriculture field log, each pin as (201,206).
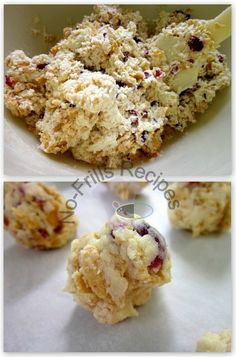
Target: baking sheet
(40,317)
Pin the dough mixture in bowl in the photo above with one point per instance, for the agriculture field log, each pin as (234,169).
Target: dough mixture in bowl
(111,89)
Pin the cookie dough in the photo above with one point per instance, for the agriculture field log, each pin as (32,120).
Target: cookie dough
(204,207)
(115,269)
(215,342)
(126,190)
(109,91)
(35,214)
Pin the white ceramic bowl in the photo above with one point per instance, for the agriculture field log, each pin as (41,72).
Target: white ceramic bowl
(203,150)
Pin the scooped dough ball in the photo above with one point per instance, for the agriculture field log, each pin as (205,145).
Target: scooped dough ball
(126,190)
(204,207)
(115,269)
(215,342)
(35,214)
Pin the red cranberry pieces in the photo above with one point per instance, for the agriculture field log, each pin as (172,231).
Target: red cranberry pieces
(133,112)
(144,114)
(220,58)
(41,65)
(142,229)
(43,232)
(156,263)
(158,73)
(174,69)
(9,82)
(195,44)
(159,259)
(135,122)
(58,228)
(146,74)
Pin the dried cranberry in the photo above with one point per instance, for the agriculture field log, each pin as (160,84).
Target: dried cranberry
(41,65)
(135,122)
(174,68)
(132,112)
(142,229)
(146,52)
(156,263)
(58,228)
(147,74)
(126,56)
(144,136)
(9,82)
(195,44)
(158,73)
(40,201)
(144,114)
(220,58)
(43,232)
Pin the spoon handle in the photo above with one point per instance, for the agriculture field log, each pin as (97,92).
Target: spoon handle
(220,27)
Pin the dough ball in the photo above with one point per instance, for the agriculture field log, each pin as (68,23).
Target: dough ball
(35,215)
(204,207)
(114,270)
(215,342)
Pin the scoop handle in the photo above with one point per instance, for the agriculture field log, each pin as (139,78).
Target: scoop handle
(220,27)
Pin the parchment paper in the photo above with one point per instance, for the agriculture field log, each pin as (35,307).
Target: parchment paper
(40,317)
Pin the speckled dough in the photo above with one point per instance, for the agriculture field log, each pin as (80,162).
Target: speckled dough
(35,214)
(115,269)
(126,190)
(215,342)
(110,90)
(204,207)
